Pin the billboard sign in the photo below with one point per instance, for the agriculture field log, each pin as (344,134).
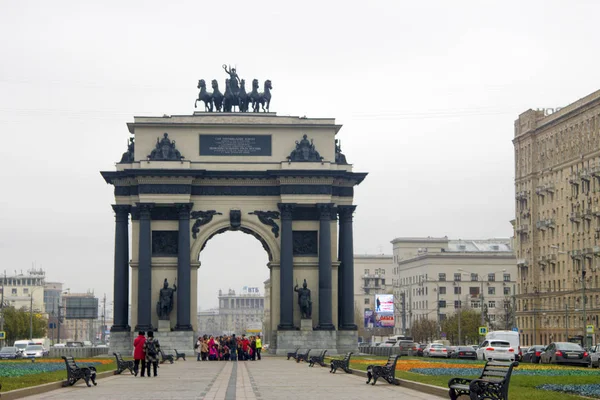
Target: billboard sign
(384,303)
(384,320)
(369,319)
(81,307)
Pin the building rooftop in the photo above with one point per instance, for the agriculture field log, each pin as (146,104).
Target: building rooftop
(489,245)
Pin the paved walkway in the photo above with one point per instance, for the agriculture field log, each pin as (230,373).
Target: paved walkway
(272,378)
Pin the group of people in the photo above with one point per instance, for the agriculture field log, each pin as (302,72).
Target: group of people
(228,348)
(145,349)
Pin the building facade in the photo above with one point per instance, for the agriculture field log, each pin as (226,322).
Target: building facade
(24,290)
(372,276)
(435,277)
(557,221)
(80,329)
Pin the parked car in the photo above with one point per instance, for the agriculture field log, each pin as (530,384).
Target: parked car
(533,354)
(22,344)
(35,351)
(451,350)
(408,348)
(10,353)
(464,352)
(60,345)
(74,344)
(565,353)
(594,356)
(420,350)
(436,350)
(496,350)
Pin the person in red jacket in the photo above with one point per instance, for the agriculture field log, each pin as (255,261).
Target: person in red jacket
(138,352)
(245,346)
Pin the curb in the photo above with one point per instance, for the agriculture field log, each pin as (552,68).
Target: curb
(420,387)
(30,391)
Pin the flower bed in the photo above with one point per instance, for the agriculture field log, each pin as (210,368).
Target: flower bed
(21,368)
(589,390)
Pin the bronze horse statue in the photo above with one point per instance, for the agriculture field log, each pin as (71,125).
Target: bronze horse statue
(230,99)
(243,97)
(264,98)
(217,96)
(204,96)
(254,96)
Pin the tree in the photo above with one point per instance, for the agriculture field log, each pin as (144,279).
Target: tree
(16,324)
(424,330)
(470,321)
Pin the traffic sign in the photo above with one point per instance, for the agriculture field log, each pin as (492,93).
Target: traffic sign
(515,329)
(2,335)
(443,334)
(51,325)
(589,329)
(483,330)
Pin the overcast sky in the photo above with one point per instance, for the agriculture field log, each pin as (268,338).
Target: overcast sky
(427,92)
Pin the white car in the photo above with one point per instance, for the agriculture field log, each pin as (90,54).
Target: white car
(500,350)
(435,350)
(35,351)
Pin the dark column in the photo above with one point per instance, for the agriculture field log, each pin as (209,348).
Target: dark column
(121,284)
(347,305)
(340,280)
(325,304)
(286,269)
(144,306)
(184,269)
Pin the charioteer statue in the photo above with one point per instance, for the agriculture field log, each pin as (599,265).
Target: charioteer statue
(235,94)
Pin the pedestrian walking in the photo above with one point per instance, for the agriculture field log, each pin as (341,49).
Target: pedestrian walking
(138,353)
(198,348)
(151,347)
(233,347)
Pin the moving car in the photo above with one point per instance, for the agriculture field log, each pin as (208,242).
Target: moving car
(533,354)
(511,337)
(35,351)
(496,350)
(436,350)
(595,356)
(464,352)
(22,344)
(565,353)
(10,353)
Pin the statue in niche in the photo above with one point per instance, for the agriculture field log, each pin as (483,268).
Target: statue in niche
(304,300)
(165,301)
(165,150)
(305,151)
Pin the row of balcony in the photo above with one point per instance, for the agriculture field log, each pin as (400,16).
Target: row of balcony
(545,224)
(550,258)
(588,252)
(522,229)
(522,195)
(584,175)
(543,189)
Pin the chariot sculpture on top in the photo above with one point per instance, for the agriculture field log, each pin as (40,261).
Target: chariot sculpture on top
(235,94)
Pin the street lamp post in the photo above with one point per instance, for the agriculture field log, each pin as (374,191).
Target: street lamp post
(31,312)
(480,279)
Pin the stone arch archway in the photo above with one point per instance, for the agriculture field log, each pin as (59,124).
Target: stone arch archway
(235,172)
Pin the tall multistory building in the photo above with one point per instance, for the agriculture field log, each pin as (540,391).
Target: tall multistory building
(24,290)
(435,277)
(557,222)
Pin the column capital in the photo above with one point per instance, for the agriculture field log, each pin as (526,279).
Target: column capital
(345,213)
(325,210)
(286,210)
(144,209)
(184,209)
(121,212)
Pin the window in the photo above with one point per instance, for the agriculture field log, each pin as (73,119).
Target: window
(491,304)
(457,304)
(442,289)
(442,277)
(475,304)
(457,290)
(474,291)
(383,282)
(382,271)
(442,303)
(14,291)
(457,277)
(367,272)
(474,277)
(442,317)
(367,301)
(491,290)
(25,290)
(506,277)
(491,277)
(492,317)
(506,291)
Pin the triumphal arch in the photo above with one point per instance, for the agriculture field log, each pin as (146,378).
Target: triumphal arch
(281,179)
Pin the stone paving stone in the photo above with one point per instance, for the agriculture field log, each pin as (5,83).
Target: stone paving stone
(273,378)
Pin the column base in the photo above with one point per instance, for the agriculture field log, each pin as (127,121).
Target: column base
(325,327)
(348,327)
(120,328)
(145,328)
(183,327)
(286,327)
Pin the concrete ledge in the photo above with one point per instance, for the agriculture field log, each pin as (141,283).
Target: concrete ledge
(421,387)
(30,391)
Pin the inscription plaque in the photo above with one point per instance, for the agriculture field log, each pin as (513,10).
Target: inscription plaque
(235,145)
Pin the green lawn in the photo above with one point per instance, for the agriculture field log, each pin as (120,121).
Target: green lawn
(19,382)
(521,387)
